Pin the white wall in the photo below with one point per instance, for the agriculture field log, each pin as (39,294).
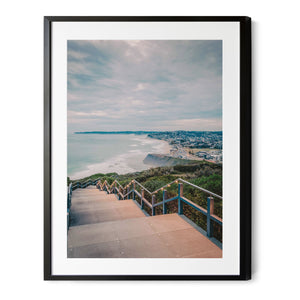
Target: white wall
(276,208)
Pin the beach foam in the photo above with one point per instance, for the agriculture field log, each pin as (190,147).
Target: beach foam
(125,160)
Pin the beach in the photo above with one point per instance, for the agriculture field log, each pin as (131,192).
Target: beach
(107,153)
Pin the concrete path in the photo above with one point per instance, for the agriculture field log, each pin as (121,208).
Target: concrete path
(102,226)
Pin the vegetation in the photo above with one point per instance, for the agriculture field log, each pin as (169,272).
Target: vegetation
(201,173)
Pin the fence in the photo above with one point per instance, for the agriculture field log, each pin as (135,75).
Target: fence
(151,202)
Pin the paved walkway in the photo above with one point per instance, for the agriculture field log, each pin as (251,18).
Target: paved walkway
(102,226)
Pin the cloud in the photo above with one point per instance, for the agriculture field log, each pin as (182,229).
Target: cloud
(140,87)
(76,55)
(193,124)
(144,84)
(86,114)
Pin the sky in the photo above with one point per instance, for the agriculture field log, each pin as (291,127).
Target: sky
(144,85)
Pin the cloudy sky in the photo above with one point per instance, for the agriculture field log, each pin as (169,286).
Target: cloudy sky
(144,85)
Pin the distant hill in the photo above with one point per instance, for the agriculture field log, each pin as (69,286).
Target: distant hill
(144,132)
(114,132)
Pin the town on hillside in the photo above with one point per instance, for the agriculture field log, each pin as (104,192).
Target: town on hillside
(196,145)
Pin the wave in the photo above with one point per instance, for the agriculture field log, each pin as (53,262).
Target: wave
(131,161)
(118,164)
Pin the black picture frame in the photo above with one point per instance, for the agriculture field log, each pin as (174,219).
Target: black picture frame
(245,146)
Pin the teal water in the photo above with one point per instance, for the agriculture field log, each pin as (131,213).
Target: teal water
(104,153)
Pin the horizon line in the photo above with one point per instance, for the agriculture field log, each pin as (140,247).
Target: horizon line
(146,131)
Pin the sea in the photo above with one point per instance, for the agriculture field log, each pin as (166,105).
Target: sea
(89,154)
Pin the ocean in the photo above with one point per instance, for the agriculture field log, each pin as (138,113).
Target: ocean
(105,153)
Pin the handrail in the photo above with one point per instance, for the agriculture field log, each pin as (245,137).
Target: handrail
(143,187)
(74,183)
(129,193)
(166,185)
(111,188)
(73,186)
(118,183)
(201,189)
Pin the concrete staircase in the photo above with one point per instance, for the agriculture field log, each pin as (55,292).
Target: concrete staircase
(103,227)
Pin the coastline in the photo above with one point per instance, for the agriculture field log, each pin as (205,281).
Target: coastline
(186,153)
(125,162)
(166,148)
(127,155)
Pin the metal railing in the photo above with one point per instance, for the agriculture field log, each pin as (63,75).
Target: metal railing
(74,186)
(134,188)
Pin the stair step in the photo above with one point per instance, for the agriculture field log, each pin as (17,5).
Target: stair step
(103,213)
(163,236)
(102,226)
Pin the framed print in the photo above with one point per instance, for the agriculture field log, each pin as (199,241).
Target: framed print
(147,148)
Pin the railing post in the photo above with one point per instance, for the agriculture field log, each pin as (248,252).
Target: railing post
(128,189)
(68,198)
(210,209)
(164,204)
(133,191)
(180,193)
(118,191)
(212,205)
(142,197)
(153,208)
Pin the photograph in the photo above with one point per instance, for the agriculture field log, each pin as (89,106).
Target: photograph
(147,148)
(146,140)
(144,149)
